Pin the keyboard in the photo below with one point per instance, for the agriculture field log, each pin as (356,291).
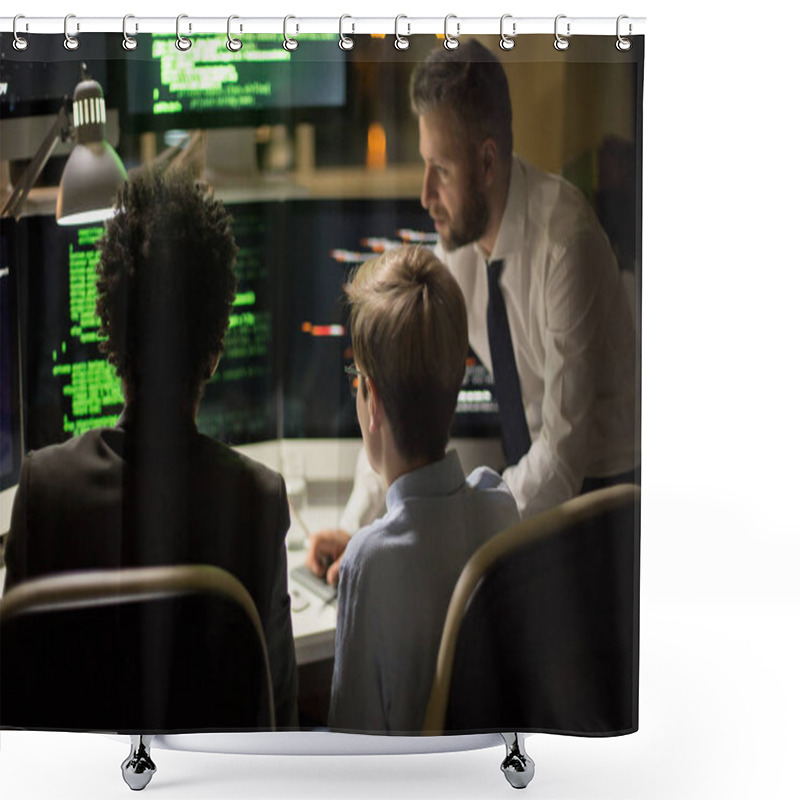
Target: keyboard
(317,586)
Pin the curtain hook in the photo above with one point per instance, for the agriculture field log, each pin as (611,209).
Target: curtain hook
(561,42)
(181,42)
(401,42)
(70,42)
(507,42)
(623,44)
(451,42)
(128,42)
(345,42)
(19,42)
(289,44)
(233,44)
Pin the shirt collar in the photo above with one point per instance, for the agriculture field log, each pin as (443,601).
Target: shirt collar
(442,477)
(511,235)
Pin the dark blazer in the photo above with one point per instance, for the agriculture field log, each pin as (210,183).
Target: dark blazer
(112,498)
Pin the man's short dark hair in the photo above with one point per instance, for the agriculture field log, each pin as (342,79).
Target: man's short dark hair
(165,285)
(472,83)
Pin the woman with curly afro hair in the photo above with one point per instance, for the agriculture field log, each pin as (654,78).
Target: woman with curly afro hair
(152,490)
(165,286)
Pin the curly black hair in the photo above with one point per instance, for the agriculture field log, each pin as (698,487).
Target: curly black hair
(165,285)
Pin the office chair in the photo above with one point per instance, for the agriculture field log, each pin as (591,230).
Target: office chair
(137,651)
(541,634)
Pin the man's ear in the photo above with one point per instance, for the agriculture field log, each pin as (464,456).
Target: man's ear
(374,406)
(489,161)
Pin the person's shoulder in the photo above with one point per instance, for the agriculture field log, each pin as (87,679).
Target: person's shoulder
(368,542)
(63,454)
(489,484)
(554,189)
(370,548)
(557,211)
(485,478)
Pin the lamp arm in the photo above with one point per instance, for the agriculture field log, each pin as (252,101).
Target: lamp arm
(60,131)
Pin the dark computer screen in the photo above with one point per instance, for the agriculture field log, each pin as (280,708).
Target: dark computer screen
(325,245)
(10,419)
(240,403)
(209,86)
(34,81)
(68,385)
(330,239)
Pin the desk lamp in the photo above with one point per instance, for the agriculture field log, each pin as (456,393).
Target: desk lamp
(93,171)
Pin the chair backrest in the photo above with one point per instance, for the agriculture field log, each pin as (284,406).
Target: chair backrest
(139,650)
(542,632)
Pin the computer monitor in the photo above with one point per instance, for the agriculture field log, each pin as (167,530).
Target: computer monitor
(10,413)
(208,86)
(240,403)
(68,385)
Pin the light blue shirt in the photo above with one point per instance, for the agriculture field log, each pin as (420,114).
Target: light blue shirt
(396,580)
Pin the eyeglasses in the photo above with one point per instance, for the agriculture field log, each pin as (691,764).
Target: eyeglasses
(352,378)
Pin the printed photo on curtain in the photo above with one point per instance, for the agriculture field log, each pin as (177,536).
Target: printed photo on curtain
(321,382)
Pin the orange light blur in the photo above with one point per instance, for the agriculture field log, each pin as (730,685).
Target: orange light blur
(324,331)
(376,146)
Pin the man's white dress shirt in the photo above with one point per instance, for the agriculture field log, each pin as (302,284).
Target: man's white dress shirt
(573,337)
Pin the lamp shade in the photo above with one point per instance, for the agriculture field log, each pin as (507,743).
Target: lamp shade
(91,177)
(93,171)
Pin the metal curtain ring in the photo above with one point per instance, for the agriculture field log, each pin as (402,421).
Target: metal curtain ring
(233,44)
(401,42)
(128,42)
(623,43)
(70,42)
(561,42)
(507,42)
(451,42)
(19,42)
(288,43)
(181,42)
(345,42)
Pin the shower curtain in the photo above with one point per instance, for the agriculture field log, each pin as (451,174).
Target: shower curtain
(324,158)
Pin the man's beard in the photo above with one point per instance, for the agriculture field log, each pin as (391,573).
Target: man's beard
(474,219)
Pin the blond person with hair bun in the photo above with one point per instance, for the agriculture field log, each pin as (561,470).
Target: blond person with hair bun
(409,330)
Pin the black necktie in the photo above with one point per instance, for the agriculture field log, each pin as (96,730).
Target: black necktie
(516,437)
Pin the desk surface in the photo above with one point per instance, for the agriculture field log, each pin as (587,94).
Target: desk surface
(313,620)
